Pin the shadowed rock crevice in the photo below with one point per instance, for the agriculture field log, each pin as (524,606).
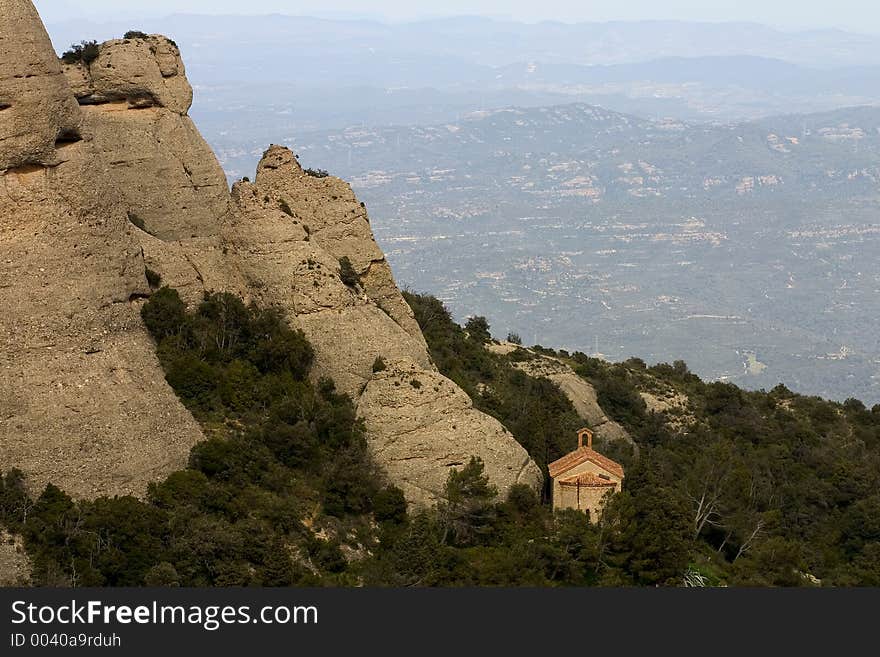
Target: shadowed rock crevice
(68,136)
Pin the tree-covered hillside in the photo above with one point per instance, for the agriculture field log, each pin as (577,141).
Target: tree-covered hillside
(729,487)
(762,488)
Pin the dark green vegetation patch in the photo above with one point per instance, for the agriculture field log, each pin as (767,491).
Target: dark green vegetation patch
(742,488)
(83,52)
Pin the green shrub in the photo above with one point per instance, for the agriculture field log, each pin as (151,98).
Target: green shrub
(316,173)
(276,347)
(379,365)
(389,505)
(164,314)
(162,575)
(520,355)
(135,34)
(83,52)
(477,328)
(468,512)
(293,443)
(14,500)
(194,380)
(351,482)
(621,401)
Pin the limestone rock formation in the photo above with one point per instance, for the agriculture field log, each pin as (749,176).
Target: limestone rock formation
(142,72)
(135,97)
(83,401)
(37,110)
(192,267)
(420,425)
(336,221)
(286,234)
(93,192)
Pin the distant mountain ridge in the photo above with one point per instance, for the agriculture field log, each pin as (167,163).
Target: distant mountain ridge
(498,43)
(607,154)
(748,249)
(366,72)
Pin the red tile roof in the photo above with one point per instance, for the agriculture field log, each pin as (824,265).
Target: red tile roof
(581,455)
(587,479)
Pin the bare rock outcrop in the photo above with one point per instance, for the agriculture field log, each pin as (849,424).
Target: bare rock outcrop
(192,267)
(94,191)
(135,97)
(338,222)
(671,405)
(420,425)
(280,265)
(37,109)
(283,265)
(83,401)
(80,381)
(580,393)
(142,72)
(286,235)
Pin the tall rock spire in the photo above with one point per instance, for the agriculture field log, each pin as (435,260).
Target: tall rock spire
(37,108)
(83,400)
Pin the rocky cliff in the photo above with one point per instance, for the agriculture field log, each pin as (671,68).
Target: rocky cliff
(37,110)
(135,98)
(103,174)
(83,402)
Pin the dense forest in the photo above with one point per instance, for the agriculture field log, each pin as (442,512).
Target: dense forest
(735,488)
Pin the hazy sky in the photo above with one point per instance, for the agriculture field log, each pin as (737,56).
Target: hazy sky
(859,15)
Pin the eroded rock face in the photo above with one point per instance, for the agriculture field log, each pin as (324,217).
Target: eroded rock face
(282,265)
(338,222)
(170,180)
(83,400)
(36,106)
(420,425)
(286,234)
(144,72)
(131,183)
(580,393)
(135,97)
(192,267)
